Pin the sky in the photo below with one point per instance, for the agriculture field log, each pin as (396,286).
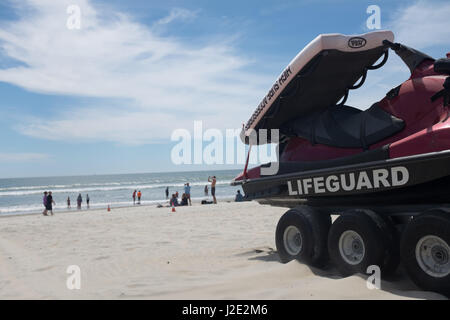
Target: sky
(106,98)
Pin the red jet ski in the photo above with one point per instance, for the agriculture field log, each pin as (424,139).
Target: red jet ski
(384,171)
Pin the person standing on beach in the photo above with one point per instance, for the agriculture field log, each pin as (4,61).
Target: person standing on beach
(167,193)
(187,191)
(206,190)
(213,187)
(44,202)
(50,202)
(68,202)
(134,197)
(87,200)
(139,196)
(79,201)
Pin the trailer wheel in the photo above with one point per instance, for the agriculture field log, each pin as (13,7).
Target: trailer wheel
(302,234)
(357,239)
(425,251)
(392,245)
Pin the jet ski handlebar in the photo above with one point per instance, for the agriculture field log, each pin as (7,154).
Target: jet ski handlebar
(411,57)
(392,45)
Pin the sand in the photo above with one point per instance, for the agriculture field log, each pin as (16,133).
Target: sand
(224,251)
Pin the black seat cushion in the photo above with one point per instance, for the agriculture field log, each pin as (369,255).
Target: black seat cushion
(442,66)
(345,126)
(301,166)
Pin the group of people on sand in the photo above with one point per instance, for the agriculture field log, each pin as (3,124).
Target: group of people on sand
(137,194)
(186,196)
(79,201)
(48,202)
(174,200)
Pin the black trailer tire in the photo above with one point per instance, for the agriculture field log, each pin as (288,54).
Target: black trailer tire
(311,229)
(321,223)
(425,251)
(392,246)
(356,241)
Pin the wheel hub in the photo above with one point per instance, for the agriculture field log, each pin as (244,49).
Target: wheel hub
(292,239)
(351,247)
(440,255)
(432,255)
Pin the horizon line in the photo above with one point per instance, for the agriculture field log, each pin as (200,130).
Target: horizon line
(110,174)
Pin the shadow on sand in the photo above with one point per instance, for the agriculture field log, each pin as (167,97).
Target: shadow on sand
(398,283)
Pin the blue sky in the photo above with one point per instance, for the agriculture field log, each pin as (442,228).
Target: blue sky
(105,98)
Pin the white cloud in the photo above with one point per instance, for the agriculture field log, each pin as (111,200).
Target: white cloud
(22,157)
(162,83)
(423,24)
(178,14)
(97,124)
(153,84)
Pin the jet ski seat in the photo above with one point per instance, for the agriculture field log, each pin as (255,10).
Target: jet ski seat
(345,127)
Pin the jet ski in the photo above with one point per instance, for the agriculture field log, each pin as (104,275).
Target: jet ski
(385,171)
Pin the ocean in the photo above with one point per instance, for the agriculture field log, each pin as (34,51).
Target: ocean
(24,195)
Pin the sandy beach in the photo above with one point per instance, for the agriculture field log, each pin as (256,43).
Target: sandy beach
(224,251)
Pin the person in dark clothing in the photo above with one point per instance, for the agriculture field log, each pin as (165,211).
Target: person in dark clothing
(167,193)
(50,203)
(184,200)
(87,200)
(79,201)
(44,202)
(134,197)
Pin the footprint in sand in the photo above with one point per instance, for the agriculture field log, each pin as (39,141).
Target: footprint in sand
(137,285)
(101,258)
(266,250)
(162,242)
(44,269)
